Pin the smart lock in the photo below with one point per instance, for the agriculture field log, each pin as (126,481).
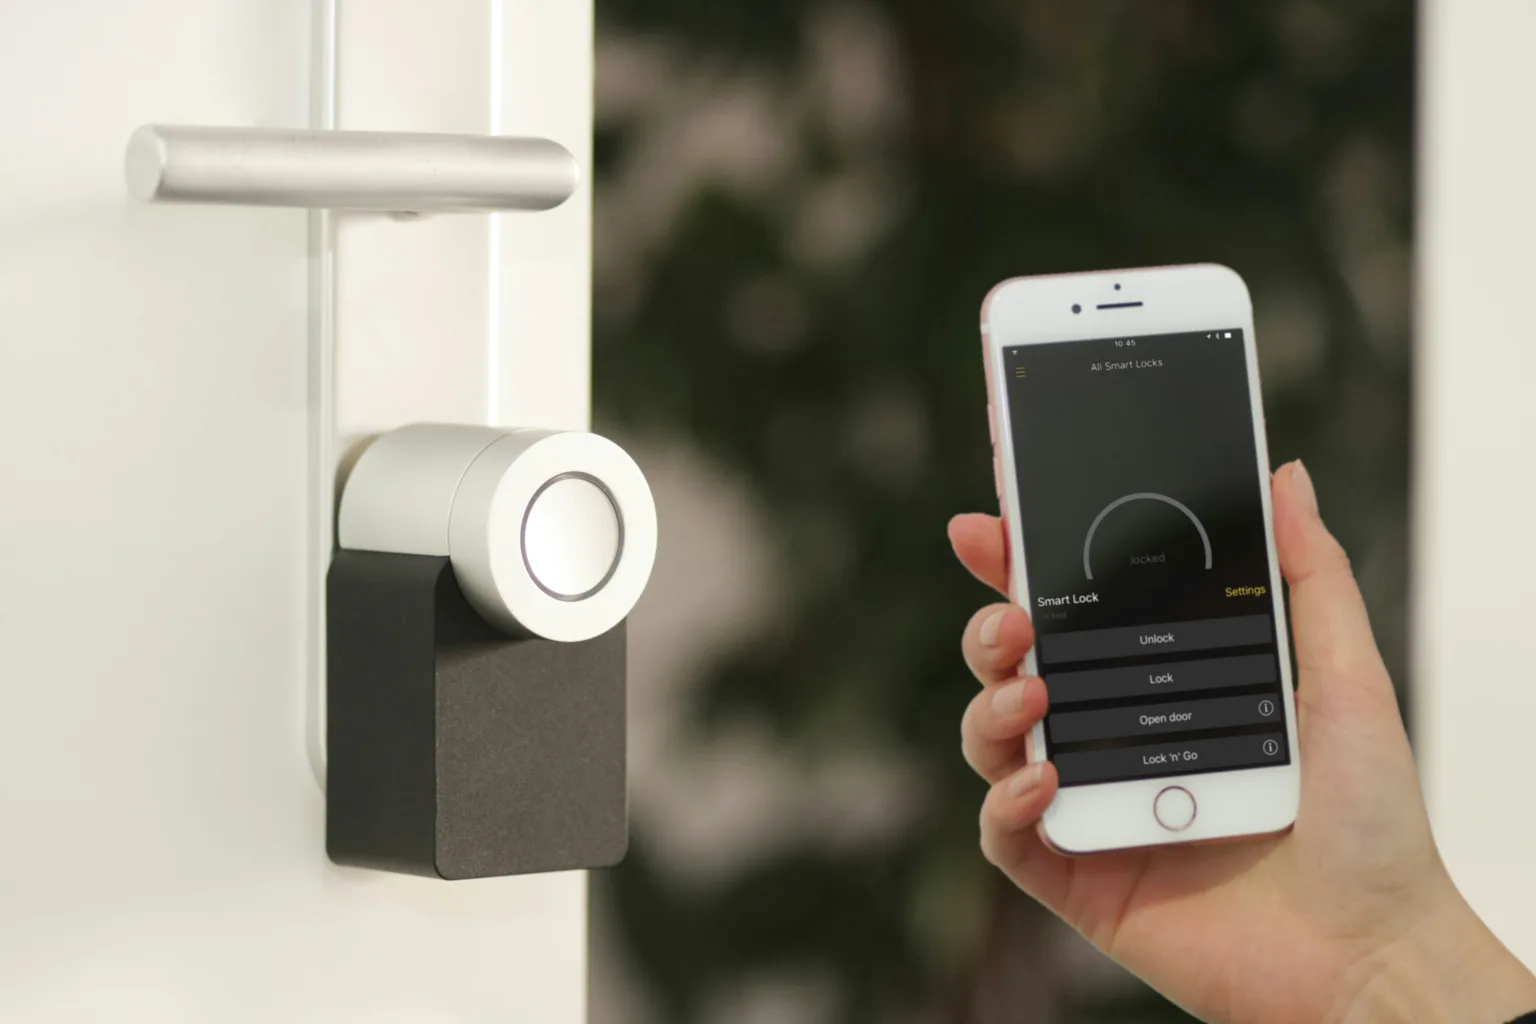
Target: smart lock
(474,663)
(476,699)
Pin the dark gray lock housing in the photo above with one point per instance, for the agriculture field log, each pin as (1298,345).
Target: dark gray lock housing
(456,751)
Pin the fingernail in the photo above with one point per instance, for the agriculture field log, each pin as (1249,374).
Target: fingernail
(990,627)
(1304,489)
(1009,700)
(1025,779)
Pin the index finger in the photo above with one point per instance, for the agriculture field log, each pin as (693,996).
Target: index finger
(982,547)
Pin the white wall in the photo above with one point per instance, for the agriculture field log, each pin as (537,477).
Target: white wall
(1474,622)
(161,831)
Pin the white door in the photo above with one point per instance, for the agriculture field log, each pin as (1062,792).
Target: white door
(1475,469)
(166,392)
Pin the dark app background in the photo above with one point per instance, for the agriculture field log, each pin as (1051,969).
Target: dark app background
(1163,422)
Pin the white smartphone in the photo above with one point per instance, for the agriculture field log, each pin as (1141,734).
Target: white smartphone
(1133,474)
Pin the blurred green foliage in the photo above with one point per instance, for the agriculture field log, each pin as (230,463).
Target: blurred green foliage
(809,322)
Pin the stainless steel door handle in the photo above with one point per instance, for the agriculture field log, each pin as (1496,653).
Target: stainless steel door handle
(346,170)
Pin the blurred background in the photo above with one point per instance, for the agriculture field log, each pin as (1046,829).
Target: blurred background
(800,205)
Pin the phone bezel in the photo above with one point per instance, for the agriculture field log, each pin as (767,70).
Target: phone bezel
(1202,297)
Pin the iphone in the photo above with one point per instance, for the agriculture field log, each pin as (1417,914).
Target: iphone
(1133,475)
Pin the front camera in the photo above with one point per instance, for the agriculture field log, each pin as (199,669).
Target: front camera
(1076,308)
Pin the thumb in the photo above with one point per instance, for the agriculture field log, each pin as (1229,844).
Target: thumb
(1331,629)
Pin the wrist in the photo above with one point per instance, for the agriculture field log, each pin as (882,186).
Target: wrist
(1447,966)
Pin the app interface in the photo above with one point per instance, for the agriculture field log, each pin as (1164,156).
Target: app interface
(1144,544)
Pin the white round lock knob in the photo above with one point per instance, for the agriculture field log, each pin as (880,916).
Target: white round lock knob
(572,504)
(551,533)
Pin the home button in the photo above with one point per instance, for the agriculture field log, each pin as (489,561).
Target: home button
(1174,808)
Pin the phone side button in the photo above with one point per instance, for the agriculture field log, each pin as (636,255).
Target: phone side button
(991,426)
(1174,808)
(997,477)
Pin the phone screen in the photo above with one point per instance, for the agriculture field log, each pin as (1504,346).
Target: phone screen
(1144,544)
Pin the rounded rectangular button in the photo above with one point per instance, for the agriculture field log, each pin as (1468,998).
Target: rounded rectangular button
(1164,638)
(1171,758)
(1149,719)
(1161,678)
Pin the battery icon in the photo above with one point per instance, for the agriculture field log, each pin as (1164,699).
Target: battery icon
(1227,335)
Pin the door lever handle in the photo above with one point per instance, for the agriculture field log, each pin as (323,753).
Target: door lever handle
(404,172)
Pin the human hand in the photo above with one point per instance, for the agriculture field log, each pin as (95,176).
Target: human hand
(1349,916)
